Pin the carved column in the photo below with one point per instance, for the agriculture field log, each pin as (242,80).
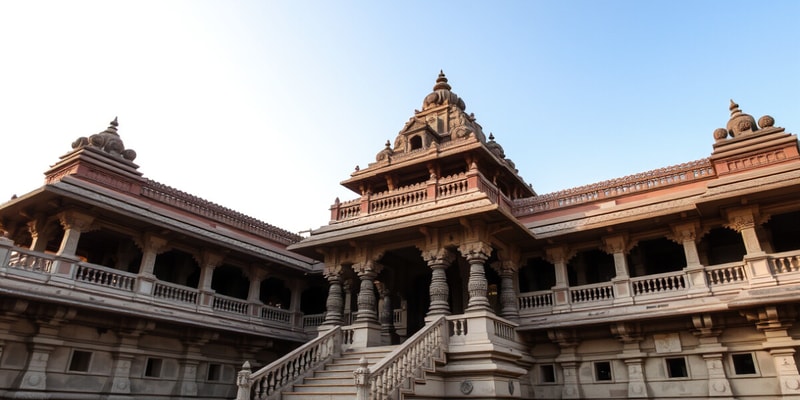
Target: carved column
(255,275)
(41,233)
(192,354)
(386,314)
(48,323)
(509,307)
(707,332)
(129,332)
(476,254)
(774,322)
(367,302)
(618,246)
(438,260)
(567,341)
(559,256)
(208,261)
(744,221)
(687,234)
(630,336)
(334,303)
(74,223)
(151,246)
(296,286)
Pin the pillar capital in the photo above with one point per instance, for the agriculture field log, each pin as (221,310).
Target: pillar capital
(743,218)
(619,243)
(332,272)
(559,254)
(689,231)
(367,268)
(438,256)
(478,251)
(152,243)
(72,219)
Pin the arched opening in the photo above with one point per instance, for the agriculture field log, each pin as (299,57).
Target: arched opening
(275,293)
(230,281)
(590,266)
(656,256)
(177,267)
(784,230)
(720,246)
(109,249)
(415,142)
(537,274)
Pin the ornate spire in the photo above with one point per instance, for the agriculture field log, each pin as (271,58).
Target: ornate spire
(441,82)
(740,123)
(108,141)
(442,95)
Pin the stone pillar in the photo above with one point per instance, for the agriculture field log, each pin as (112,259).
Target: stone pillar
(774,322)
(334,303)
(386,314)
(686,234)
(192,354)
(567,341)
(630,336)
(744,221)
(255,275)
(296,286)
(559,257)
(367,302)
(74,223)
(509,306)
(119,386)
(476,254)
(41,233)
(209,261)
(438,260)
(151,246)
(707,331)
(618,246)
(48,323)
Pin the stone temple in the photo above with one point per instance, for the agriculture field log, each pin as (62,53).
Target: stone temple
(445,276)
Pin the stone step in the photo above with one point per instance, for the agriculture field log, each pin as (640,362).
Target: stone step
(318,396)
(329,380)
(316,388)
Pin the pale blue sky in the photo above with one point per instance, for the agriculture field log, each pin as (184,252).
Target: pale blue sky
(264,106)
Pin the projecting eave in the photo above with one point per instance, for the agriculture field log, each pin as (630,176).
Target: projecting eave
(164,217)
(406,222)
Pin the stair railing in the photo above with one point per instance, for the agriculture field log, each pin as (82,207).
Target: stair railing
(286,370)
(406,363)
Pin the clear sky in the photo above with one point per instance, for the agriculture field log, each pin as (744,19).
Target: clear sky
(265,106)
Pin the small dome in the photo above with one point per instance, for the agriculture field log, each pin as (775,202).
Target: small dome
(740,123)
(442,95)
(107,141)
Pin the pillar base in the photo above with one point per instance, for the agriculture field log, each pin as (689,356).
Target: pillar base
(366,334)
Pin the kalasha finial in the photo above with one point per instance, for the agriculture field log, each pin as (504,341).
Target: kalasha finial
(734,108)
(112,127)
(441,82)
(388,144)
(491,136)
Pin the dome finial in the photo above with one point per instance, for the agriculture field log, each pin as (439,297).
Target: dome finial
(441,82)
(734,107)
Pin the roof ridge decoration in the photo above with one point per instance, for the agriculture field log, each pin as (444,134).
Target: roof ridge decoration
(108,141)
(741,124)
(180,199)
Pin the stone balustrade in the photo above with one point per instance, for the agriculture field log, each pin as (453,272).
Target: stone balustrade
(19,267)
(592,293)
(659,283)
(419,193)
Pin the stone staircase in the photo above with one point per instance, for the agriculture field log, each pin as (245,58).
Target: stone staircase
(336,381)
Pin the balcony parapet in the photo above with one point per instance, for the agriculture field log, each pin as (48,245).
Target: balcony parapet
(645,181)
(33,272)
(417,194)
(725,280)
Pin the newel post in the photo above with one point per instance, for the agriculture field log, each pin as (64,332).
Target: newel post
(361,375)
(243,382)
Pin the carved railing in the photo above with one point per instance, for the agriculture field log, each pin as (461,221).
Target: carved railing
(786,262)
(659,283)
(419,193)
(452,185)
(104,276)
(230,304)
(276,314)
(174,292)
(271,379)
(31,261)
(592,293)
(391,200)
(650,180)
(417,354)
(725,274)
(313,320)
(540,299)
